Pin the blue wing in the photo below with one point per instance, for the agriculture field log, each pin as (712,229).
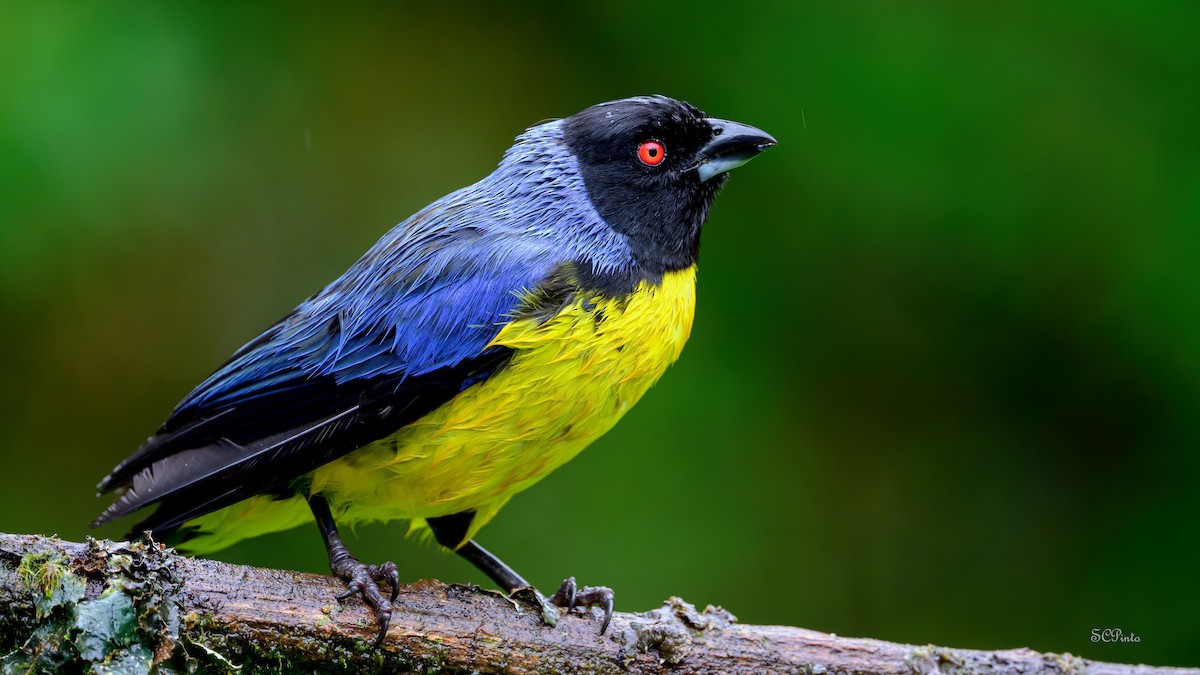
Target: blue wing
(404,330)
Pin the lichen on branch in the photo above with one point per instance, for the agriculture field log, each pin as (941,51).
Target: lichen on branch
(137,607)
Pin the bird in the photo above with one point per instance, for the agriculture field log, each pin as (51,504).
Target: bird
(477,346)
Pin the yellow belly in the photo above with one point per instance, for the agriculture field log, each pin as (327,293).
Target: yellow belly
(569,381)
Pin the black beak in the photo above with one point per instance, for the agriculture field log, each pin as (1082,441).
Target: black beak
(733,145)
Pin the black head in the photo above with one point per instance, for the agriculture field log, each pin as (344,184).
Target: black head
(652,166)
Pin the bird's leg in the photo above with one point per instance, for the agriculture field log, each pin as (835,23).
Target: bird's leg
(506,577)
(360,579)
(450,532)
(568,595)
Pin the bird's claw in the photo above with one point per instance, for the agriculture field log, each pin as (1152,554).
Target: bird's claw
(364,580)
(570,596)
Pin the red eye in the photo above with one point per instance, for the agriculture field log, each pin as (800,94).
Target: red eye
(652,153)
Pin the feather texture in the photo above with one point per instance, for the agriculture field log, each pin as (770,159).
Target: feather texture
(572,376)
(406,328)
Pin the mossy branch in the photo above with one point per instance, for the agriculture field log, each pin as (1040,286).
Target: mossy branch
(138,607)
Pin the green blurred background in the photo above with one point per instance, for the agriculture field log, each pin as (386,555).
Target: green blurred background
(945,374)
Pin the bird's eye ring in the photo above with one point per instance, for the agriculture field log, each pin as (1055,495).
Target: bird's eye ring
(652,153)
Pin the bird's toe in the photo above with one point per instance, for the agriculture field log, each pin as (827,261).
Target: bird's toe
(364,580)
(570,596)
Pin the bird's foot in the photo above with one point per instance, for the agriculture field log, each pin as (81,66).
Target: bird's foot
(364,580)
(570,596)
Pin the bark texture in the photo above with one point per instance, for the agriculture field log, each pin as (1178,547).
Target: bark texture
(133,607)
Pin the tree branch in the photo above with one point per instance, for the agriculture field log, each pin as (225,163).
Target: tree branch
(138,606)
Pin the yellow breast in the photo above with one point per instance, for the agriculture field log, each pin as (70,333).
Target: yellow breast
(571,378)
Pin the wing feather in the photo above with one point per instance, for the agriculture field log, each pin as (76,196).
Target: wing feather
(404,330)
(352,364)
